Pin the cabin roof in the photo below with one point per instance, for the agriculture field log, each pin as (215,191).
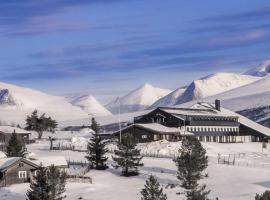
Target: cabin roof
(46,161)
(10,130)
(196,112)
(158,128)
(5,163)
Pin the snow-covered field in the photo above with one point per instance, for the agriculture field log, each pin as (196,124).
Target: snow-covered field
(225,181)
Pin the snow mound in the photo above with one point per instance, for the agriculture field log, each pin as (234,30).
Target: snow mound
(262,70)
(139,99)
(89,104)
(214,84)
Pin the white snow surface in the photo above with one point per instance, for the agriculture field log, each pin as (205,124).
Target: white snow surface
(17,102)
(242,181)
(170,99)
(5,162)
(89,104)
(47,161)
(252,95)
(214,84)
(262,70)
(10,129)
(138,99)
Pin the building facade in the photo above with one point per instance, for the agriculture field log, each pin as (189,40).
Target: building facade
(207,122)
(16,170)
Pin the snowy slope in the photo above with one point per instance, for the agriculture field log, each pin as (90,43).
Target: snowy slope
(139,99)
(252,95)
(17,102)
(89,104)
(214,84)
(170,99)
(262,70)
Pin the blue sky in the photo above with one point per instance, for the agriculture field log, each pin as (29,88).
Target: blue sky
(107,47)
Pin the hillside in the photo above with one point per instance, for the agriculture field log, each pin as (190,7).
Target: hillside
(138,99)
(89,104)
(262,70)
(214,84)
(170,99)
(17,102)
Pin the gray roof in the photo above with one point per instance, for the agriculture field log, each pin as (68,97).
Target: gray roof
(196,112)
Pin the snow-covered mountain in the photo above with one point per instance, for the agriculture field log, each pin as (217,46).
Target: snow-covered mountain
(253,95)
(262,70)
(138,99)
(89,104)
(17,102)
(214,84)
(170,99)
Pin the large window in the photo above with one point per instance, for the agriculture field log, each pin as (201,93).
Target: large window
(22,174)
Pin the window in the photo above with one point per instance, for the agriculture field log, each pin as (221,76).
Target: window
(22,174)
(155,137)
(144,136)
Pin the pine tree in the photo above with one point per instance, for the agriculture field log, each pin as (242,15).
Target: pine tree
(127,156)
(96,149)
(264,196)
(191,162)
(57,182)
(40,124)
(39,187)
(95,126)
(152,190)
(15,147)
(198,194)
(48,184)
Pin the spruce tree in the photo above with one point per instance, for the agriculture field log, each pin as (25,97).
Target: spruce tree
(15,147)
(40,123)
(57,183)
(94,125)
(96,149)
(264,196)
(48,184)
(39,187)
(127,156)
(191,162)
(152,190)
(198,194)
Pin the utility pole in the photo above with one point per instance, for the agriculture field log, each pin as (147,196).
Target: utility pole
(119,119)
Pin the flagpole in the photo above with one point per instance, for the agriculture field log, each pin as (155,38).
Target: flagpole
(119,120)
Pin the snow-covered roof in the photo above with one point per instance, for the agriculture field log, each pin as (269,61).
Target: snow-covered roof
(241,119)
(10,129)
(5,162)
(2,155)
(46,161)
(160,128)
(196,112)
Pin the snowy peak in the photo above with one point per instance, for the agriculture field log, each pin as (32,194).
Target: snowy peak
(89,104)
(7,99)
(262,70)
(214,84)
(138,99)
(22,101)
(170,99)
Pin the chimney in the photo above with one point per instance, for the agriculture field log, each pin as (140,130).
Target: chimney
(217,104)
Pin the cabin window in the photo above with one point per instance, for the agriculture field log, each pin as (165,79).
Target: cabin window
(22,174)
(144,136)
(155,137)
